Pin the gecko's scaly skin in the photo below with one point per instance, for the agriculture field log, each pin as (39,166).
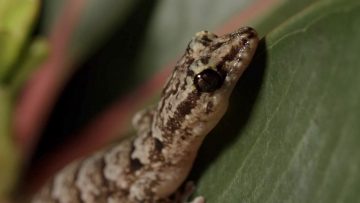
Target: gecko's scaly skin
(151,166)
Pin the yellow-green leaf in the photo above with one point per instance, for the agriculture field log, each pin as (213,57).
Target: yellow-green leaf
(16,18)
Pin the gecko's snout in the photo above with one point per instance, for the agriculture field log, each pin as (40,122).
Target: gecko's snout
(234,56)
(247,32)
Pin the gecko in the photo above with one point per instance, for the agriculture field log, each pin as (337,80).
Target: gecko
(150,166)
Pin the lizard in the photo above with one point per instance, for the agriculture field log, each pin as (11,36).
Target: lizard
(150,166)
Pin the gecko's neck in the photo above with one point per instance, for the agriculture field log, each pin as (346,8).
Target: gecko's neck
(179,127)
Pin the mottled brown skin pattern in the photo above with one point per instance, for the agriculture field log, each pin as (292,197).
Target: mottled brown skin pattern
(151,166)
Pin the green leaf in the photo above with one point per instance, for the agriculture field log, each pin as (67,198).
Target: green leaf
(292,131)
(16,18)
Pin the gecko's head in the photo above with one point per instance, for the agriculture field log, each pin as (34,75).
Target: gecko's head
(200,86)
(220,61)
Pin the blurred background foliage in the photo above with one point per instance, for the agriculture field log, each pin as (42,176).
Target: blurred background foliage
(66,65)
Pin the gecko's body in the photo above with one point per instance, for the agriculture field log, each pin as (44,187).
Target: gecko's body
(151,166)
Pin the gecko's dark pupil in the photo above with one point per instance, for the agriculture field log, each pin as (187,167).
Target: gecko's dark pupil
(208,81)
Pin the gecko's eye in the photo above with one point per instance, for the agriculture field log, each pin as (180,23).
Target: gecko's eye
(208,81)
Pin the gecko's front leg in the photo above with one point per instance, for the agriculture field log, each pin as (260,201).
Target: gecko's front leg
(150,166)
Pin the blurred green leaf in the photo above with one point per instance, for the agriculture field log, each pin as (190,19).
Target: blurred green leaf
(18,57)
(34,55)
(292,132)
(9,157)
(99,26)
(16,18)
